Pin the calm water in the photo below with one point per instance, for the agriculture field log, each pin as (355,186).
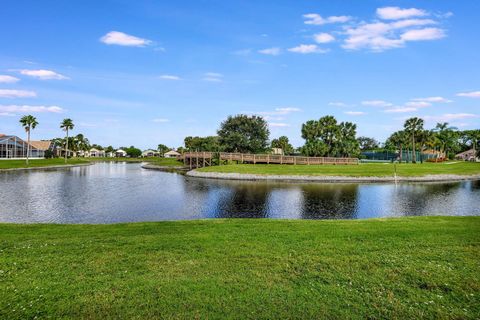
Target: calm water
(110,192)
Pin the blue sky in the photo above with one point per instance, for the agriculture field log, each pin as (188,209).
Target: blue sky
(149,72)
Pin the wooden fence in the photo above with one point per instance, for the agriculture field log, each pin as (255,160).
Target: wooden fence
(196,159)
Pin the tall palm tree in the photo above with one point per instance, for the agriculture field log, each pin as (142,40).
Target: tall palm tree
(399,139)
(28,123)
(66,125)
(414,126)
(446,137)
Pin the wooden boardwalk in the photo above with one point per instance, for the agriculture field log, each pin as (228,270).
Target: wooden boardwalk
(203,159)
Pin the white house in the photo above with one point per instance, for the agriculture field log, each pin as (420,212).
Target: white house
(172,154)
(469,155)
(150,153)
(95,153)
(120,153)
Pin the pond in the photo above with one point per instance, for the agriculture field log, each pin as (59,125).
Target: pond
(124,192)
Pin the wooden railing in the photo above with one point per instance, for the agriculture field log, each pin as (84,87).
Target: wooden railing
(269,158)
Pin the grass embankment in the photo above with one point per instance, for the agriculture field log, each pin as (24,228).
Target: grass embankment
(426,267)
(361,170)
(12,164)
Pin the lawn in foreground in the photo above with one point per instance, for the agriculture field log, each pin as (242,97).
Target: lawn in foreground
(11,164)
(361,170)
(426,267)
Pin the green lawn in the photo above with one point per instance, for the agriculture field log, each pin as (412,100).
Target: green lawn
(408,268)
(363,170)
(9,164)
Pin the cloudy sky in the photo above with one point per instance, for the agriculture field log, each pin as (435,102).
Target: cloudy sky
(149,72)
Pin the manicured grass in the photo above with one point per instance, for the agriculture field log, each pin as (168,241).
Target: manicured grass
(167,162)
(9,164)
(361,170)
(409,268)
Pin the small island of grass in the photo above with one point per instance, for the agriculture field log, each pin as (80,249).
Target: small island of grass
(361,170)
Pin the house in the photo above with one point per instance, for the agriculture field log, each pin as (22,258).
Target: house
(110,154)
(172,154)
(120,153)
(13,147)
(469,155)
(96,153)
(150,153)
(277,151)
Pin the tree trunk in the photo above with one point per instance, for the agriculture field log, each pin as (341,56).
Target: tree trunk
(66,148)
(28,144)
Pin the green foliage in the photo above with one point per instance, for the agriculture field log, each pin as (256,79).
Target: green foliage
(162,149)
(367,143)
(284,144)
(326,137)
(133,152)
(403,268)
(28,122)
(48,154)
(210,143)
(242,133)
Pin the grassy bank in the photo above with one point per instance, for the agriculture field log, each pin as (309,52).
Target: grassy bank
(11,164)
(393,268)
(361,170)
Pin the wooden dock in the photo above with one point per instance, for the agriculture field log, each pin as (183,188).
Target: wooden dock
(203,159)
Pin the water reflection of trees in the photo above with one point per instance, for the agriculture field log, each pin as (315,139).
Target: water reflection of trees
(244,201)
(330,201)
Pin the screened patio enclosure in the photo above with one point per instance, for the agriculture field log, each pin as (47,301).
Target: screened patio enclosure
(12,147)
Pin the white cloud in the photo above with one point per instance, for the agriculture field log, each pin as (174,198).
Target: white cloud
(355,113)
(471,94)
(376,103)
(337,104)
(270,51)
(286,110)
(7,114)
(316,19)
(10,93)
(278,124)
(433,99)
(26,108)
(213,77)
(418,104)
(277,114)
(395,13)
(411,23)
(160,120)
(323,37)
(123,39)
(307,48)
(401,110)
(451,116)
(8,79)
(43,74)
(169,77)
(423,34)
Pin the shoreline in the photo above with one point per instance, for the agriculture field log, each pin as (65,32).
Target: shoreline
(330,179)
(150,166)
(48,167)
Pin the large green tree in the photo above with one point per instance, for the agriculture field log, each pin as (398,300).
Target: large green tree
(210,143)
(367,143)
(243,133)
(282,143)
(447,138)
(397,141)
(29,123)
(66,125)
(162,149)
(326,137)
(414,126)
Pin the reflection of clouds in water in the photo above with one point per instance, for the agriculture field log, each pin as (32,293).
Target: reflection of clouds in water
(121,192)
(285,202)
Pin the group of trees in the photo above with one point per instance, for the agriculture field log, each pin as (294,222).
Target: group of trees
(327,137)
(29,123)
(445,139)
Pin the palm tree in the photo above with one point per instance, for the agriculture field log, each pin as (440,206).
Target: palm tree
(398,139)
(413,126)
(446,136)
(28,123)
(67,124)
